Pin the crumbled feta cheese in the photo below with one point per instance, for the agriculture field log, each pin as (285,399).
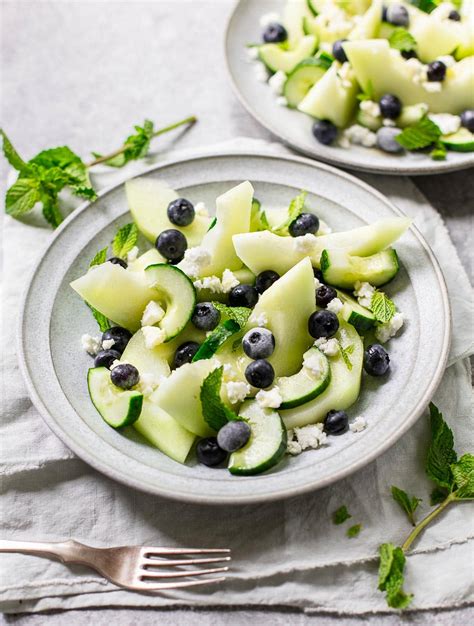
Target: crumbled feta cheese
(276,82)
(252,53)
(269,18)
(213,283)
(385,331)
(442,11)
(229,281)
(311,436)
(317,283)
(432,87)
(447,123)
(195,261)
(107,344)
(152,314)
(270,399)
(329,347)
(360,135)
(149,382)
(335,305)
(132,255)
(261,72)
(370,107)
(91,344)
(115,363)
(312,363)
(324,229)
(388,122)
(154,336)
(293,448)
(200,209)
(364,292)
(358,424)
(343,141)
(260,320)
(237,391)
(346,74)
(229,372)
(326,47)
(282,101)
(417,70)
(305,243)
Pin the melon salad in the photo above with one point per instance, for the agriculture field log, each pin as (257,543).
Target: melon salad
(240,338)
(393,74)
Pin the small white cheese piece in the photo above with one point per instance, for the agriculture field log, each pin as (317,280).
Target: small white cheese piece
(149,382)
(277,82)
(305,243)
(329,347)
(335,305)
(237,391)
(370,107)
(282,101)
(195,261)
(229,372)
(317,283)
(310,436)
(270,399)
(91,344)
(360,135)
(200,209)
(115,363)
(229,281)
(154,336)
(132,255)
(152,314)
(358,424)
(213,283)
(252,54)
(260,320)
(447,123)
(448,60)
(432,86)
(261,72)
(385,331)
(313,364)
(107,344)
(364,292)
(345,74)
(293,448)
(388,122)
(269,18)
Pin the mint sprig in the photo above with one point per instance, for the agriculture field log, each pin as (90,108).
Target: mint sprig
(239,314)
(409,504)
(296,207)
(391,576)
(125,240)
(421,135)
(341,515)
(402,40)
(382,307)
(345,353)
(215,412)
(102,321)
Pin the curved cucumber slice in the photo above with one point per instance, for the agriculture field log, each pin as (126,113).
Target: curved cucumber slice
(462,141)
(216,339)
(176,290)
(344,387)
(343,270)
(267,443)
(361,318)
(117,407)
(277,58)
(305,385)
(302,78)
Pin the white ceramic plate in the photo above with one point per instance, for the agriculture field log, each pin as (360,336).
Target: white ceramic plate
(293,127)
(54,318)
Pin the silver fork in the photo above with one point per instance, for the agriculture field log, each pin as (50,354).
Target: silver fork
(132,567)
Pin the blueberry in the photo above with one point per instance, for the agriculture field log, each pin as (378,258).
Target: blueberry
(125,376)
(181,212)
(258,343)
(275,33)
(260,374)
(467,119)
(336,423)
(324,295)
(185,353)
(390,106)
(338,51)
(209,453)
(454,15)
(386,139)
(233,436)
(121,337)
(318,274)
(118,261)
(384,14)
(323,324)
(305,223)
(408,54)
(105,358)
(265,280)
(324,131)
(436,71)
(376,360)
(243,295)
(171,244)
(397,15)
(205,316)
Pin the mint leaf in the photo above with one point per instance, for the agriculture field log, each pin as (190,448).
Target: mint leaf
(463,473)
(11,154)
(99,258)
(382,307)
(101,320)
(341,515)
(240,314)
(402,40)
(51,211)
(438,495)
(391,577)
(409,504)
(439,152)
(325,59)
(136,146)
(353,531)
(441,454)
(345,352)
(368,93)
(124,240)
(424,5)
(296,207)
(22,196)
(67,170)
(215,412)
(420,135)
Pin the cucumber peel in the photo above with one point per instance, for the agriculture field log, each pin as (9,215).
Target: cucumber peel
(118,407)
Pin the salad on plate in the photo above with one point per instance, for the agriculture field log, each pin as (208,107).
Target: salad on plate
(394,75)
(240,338)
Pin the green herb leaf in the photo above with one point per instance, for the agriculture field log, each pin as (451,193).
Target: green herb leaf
(215,412)
(402,40)
(438,495)
(409,504)
(391,577)
(103,323)
(341,515)
(420,135)
(296,207)
(463,473)
(345,352)
(11,154)
(22,196)
(67,170)
(240,314)
(99,258)
(125,240)
(353,531)
(439,152)
(424,5)
(368,93)
(382,307)
(441,454)
(51,211)
(136,146)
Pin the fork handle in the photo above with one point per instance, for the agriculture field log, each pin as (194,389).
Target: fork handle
(66,551)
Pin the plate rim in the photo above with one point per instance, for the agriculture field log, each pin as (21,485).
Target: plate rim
(432,167)
(115,473)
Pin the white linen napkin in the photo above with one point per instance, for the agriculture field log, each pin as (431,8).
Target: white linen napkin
(285,553)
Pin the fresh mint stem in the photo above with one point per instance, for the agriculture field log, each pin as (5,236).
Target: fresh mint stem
(427,520)
(161,131)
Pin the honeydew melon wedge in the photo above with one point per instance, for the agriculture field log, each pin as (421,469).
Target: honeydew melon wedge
(116,406)
(148,200)
(434,37)
(264,250)
(152,257)
(277,58)
(386,71)
(369,24)
(343,270)
(293,14)
(305,385)
(344,387)
(317,26)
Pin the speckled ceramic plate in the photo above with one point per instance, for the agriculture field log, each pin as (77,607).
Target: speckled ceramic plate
(54,318)
(293,127)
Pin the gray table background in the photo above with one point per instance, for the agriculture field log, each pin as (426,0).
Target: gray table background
(82,72)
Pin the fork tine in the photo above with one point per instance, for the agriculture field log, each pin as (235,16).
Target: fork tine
(152,551)
(169,562)
(181,573)
(143,586)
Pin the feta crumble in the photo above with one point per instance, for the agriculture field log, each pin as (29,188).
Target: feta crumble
(261,72)
(107,344)
(311,436)
(270,399)
(217,285)
(358,425)
(317,283)
(237,391)
(260,320)
(432,87)
(305,243)
(364,292)
(154,336)
(360,135)
(229,372)
(90,344)
(269,18)
(282,101)
(200,209)
(252,53)
(277,82)
(293,447)
(195,261)
(448,60)
(229,281)
(152,314)
(115,363)
(335,305)
(447,123)
(329,347)
(370,107)
(385,331)
(345,74)
(388,122)
(312,363)
(149,382)
(132,255)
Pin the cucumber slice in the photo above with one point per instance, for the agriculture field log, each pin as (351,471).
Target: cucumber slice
(462,141)
(164,432)
(304,386)
(361,318)
(148,201)
(277,58)
(216,339)
(267,443)
(176,290)
(302,78)
(116,406)
(152,257)
(342,270)
(344,387)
